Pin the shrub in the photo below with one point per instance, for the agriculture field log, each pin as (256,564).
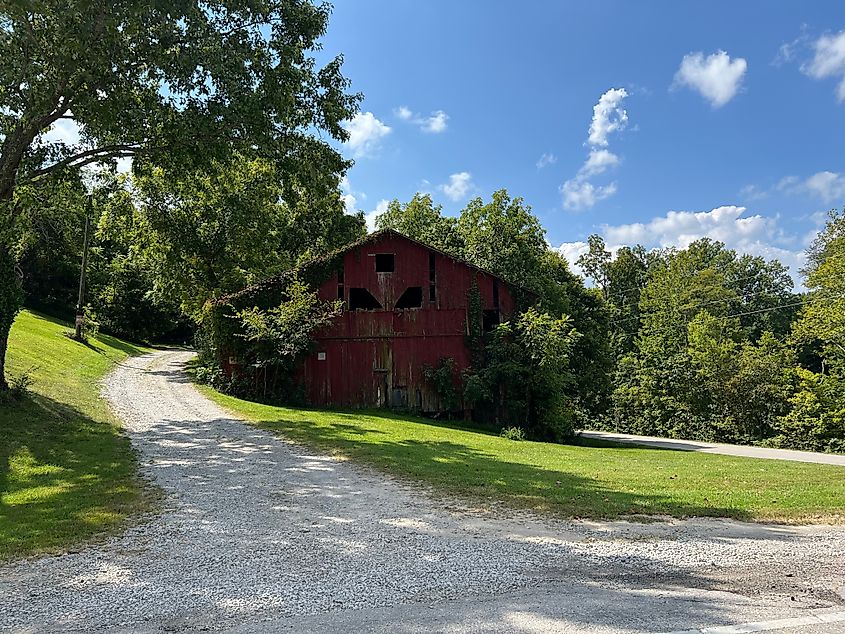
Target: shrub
(513,433)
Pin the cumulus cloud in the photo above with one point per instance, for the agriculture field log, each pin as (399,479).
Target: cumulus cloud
(546,160)
(608,117)
(365,133)
(435,123)
(580,194)
(371,216)
(458,187)
(829,61)
(350,197)
(404,113)
(598,162)
(829,187)
(716,77)
(754,234)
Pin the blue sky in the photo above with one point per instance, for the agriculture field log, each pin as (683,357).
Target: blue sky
(659,122)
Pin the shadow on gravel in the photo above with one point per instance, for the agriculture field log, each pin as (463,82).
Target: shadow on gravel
(478,474)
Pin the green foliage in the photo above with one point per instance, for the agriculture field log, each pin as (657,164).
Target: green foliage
(443,378)
(701,367)
(284,332)
(816,419)
(277,337)
(513,433)
(422,220)
(179,86)
(527,372)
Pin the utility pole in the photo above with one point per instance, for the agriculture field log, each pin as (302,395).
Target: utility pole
(80,311)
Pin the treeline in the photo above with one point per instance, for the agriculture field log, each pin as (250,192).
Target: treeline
(702,342)
(234,180)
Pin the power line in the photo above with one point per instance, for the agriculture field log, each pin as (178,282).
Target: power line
(708,303)
(679,326)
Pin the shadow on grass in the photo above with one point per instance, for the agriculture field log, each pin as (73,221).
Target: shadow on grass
(63,477)
(123,346)
(477,473)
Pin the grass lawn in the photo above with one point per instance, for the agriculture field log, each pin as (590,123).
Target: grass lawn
(601,480)
(66,471)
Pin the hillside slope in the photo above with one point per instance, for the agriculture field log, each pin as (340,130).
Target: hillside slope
(66,470)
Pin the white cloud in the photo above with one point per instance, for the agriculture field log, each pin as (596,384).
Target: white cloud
(349,202)
(608,116)
(716,77)
(598,162)
(581,194)
(458,187)
(371,216)
(365,133)
(435,123)
(752,192)
(828,186)
(754,234)
(572,251)
(545,160)
(829,61)
(350,197)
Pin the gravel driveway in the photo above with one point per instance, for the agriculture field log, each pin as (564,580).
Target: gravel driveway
(258,534)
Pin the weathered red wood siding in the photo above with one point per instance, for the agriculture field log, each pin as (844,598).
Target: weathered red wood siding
(374,358)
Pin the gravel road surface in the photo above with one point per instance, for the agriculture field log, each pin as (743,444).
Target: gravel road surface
(257,534)
(719,448)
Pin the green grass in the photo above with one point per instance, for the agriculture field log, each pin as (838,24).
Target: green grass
(601,480)
(67,472)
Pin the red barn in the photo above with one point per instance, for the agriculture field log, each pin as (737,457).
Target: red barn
(407,305)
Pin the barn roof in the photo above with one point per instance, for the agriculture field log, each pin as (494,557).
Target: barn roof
(274,281)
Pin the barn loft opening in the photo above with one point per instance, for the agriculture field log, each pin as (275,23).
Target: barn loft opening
(411,298)
(385,263)
(362,299)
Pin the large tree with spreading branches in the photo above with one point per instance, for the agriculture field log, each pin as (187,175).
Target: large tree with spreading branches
(174,83)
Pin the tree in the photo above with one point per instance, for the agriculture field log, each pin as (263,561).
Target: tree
(177,83)
(422,220)
(503,236)
(527,373)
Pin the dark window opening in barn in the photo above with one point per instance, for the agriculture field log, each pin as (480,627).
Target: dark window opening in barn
(490,319)
(496,293)
(340,275)
(432,278)
(411,298)
(361,299)
(340,292)
(384,263)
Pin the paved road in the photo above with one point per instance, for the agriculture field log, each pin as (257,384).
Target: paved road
(259,535)
(719,448)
